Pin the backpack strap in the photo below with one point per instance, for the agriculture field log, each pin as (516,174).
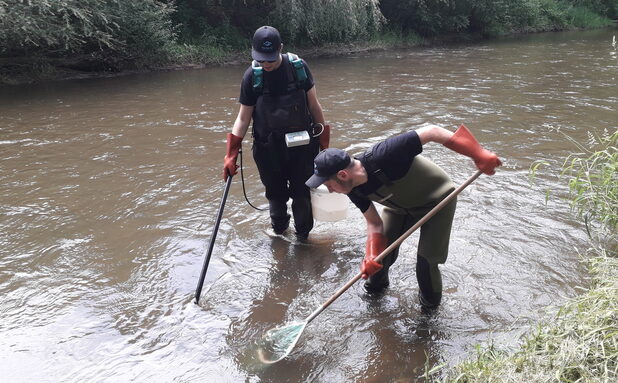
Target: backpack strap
(258,76)
(299,67)
(298,70)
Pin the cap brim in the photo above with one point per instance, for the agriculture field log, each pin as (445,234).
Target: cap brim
(261,56)
(314,181)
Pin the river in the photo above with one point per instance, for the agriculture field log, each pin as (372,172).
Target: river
(110,188)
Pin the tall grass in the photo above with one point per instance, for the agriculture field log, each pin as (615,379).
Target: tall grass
(592,175)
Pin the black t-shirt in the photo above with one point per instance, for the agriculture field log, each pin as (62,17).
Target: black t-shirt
(394,157)
(276,82)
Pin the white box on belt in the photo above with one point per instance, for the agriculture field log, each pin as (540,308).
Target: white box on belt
(297,138)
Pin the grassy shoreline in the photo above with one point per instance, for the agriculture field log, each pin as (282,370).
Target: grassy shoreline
(579,343)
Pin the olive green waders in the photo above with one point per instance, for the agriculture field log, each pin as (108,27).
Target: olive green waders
(407,200)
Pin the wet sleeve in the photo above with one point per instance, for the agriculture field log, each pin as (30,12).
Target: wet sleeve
(247,96)
(361,203)
(309,82)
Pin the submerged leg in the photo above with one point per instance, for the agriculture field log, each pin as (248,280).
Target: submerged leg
(432,251)
(279,217)
(429,283)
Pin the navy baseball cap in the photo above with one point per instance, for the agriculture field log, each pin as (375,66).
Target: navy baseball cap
(266,44)
(327,164)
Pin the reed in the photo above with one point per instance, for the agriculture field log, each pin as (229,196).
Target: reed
(592,175)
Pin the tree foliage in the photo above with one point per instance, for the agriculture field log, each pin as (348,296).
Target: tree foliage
(220,22)
(593,179)
(151,31)
(299,21)
(434,17)
(320,21)
(57,27)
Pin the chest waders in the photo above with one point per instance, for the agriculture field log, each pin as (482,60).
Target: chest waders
(407,200)
(283,170)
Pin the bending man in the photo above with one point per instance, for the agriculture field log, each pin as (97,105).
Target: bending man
(394,174)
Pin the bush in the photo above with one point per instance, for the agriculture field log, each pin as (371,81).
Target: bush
(315,21)
(225,24)
(607,8)
(541,15)
(428,17)
(495,17)
(128,28)
(583,17)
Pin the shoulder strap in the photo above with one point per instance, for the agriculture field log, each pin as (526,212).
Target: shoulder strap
(299,72)
(299,68)
(373,169)
(258,76)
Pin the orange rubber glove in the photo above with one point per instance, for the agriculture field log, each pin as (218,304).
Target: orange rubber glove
(463,142)
(325,137)
(229,161)
(376,243)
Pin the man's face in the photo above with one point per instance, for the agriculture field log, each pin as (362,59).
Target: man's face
(336,185)
(270,66)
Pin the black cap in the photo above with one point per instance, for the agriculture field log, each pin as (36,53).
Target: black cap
(327,164)
(266,43)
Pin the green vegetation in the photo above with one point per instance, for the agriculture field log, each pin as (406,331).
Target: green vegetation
(593,181)
(126,29)
(580,342)
(583,17)
(43,37)
(490,18)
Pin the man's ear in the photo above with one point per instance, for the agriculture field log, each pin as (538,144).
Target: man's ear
(343,175)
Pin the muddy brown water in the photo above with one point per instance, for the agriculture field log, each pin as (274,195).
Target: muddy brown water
(110,188)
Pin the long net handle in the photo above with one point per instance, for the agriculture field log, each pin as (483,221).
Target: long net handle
(397,242)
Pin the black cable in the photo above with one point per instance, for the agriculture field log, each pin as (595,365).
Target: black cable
(242,179)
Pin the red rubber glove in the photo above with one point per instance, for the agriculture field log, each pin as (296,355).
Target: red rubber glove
(463,142)
(325,137)
(229,161)
(376,243)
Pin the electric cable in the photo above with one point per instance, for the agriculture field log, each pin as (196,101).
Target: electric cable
(242,179)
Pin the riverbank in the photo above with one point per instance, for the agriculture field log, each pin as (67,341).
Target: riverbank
(43,41)
(28,70)
(18,71)
(579,341)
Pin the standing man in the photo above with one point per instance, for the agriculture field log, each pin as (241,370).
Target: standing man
(278,93)
(394,174)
